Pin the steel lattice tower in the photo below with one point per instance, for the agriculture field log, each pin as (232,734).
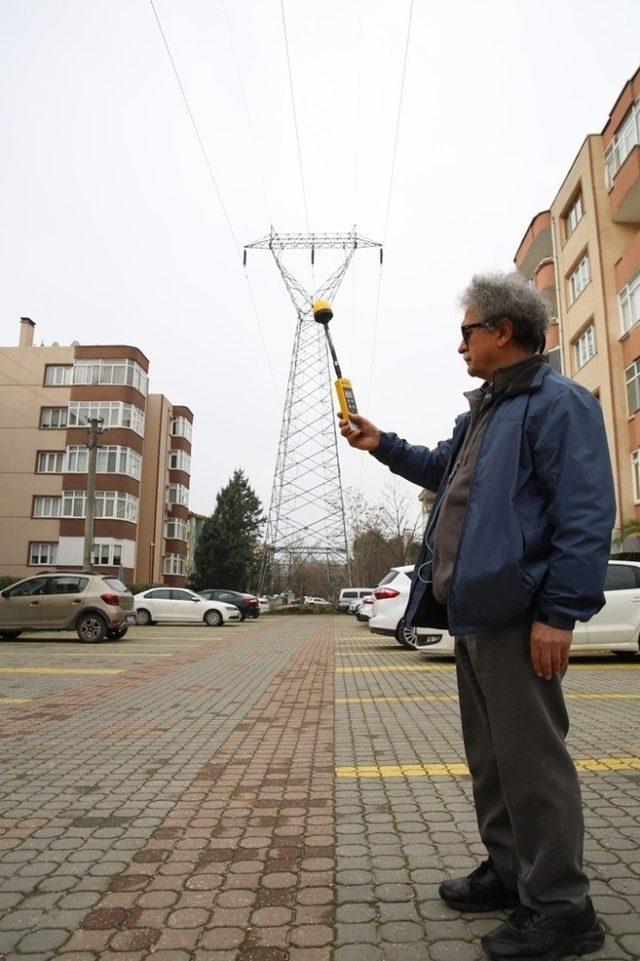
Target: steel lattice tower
(306,516)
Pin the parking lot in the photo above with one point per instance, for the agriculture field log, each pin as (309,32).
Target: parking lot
(287,789)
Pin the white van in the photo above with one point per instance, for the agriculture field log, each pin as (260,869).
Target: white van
(350,594)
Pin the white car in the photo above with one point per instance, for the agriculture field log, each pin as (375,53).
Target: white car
(316,601)
(389,604)
(264,604)
(364,610)
(178,604)
(349,596)
(615,628)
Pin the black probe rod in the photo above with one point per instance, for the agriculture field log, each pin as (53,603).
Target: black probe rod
(336,365)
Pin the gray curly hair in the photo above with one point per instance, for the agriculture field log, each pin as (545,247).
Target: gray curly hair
(494,296)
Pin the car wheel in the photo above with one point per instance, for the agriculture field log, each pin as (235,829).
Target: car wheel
(143,617)
(406,635)
(213,618)
(10,635)
(91,628)
(117,632)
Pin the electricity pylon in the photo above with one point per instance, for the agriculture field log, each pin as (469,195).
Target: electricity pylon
(306,515)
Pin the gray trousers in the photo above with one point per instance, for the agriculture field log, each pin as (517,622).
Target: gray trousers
(525,785)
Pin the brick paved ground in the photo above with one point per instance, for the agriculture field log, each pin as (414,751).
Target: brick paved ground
(198,802)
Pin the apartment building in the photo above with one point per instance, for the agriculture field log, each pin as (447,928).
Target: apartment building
(47,395)
(584,253)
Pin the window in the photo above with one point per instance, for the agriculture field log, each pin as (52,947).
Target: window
(635,474)
(629,301)
(43,554)
(579,279)
(106,555)
(53,418)
(621,577)
(32,587)
(180,460)
(574,215)
(624,140)
(163,594)
(632,380)
(47,506)
(183,595)
(107,504)
(178,494)
(181,427)
(173,564)
(176,528)
(554,357)
(57,375)
(68,584)
(113,413)
(585,347)
(102,371)
(50,462)
(109,460)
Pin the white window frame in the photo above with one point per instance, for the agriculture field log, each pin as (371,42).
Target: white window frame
(50,462)
(46,505)
(111,459)
(181,427)
(176,528)
(115,505)
(58,375)
(106,555)
(178,494)
(629,303)
(585,346)
(114,413)
(180,460)
(635,474)
(624,140)
(43,553)
(174,564)
(120,370)
(574,215)
(632,384)
(49,416)
(579,278)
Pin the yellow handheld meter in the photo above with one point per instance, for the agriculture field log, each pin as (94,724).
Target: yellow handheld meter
(322,314)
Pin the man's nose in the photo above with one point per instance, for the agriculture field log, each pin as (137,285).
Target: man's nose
(462,346)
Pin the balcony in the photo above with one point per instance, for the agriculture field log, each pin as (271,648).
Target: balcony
(625,192)
(536,245)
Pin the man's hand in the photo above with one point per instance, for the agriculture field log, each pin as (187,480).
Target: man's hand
(360,433)
(549,649)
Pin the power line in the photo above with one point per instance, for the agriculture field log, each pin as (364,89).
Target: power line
(295,116)
(215,186)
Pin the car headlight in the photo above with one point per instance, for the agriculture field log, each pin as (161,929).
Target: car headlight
(230,608)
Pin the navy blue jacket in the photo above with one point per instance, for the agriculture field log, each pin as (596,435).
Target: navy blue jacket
(537,526)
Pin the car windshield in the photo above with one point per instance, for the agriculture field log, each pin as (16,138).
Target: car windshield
(116,585)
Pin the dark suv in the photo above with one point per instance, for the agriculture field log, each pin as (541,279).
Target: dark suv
(94,606)
(247,604)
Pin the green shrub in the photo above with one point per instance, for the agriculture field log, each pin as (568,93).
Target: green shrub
(304,609)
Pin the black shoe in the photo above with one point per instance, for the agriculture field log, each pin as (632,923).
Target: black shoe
(530,936)
(482,890)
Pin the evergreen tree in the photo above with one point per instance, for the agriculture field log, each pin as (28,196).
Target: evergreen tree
(228,549)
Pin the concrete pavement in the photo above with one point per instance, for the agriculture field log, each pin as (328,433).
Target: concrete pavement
(291,789)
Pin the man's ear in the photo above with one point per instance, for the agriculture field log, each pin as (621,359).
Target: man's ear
(505,331)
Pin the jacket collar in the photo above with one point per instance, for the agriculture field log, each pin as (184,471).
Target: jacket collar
(522,377)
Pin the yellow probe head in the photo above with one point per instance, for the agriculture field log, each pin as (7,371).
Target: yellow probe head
(322,312)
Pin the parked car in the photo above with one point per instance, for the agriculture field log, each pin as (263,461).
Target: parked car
(615,628)
(264,604)
(390,601)
(365,608)
(96,607)
(247,604)
(174,604)
(316,601)
(349,595)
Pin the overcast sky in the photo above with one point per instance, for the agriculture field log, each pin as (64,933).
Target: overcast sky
(112,232)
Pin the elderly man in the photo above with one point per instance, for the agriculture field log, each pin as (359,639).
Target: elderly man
(514,553)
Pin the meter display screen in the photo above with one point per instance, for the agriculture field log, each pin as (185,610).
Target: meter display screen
(349,396)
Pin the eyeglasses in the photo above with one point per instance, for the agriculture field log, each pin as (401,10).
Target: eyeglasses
(466,329)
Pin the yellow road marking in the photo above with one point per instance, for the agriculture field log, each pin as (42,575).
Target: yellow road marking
(44,653)
(438,770)
(15,700)
(454,697)
(61,670)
